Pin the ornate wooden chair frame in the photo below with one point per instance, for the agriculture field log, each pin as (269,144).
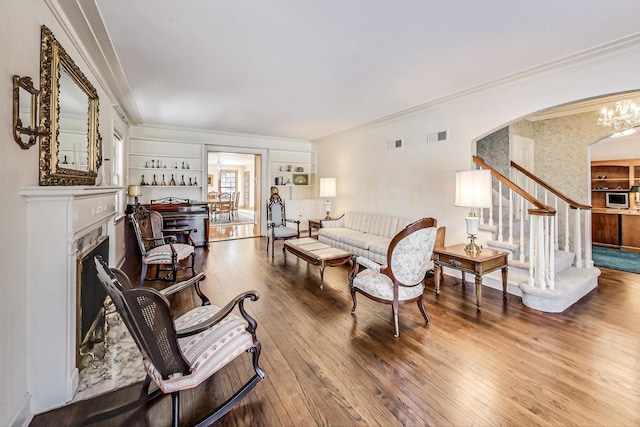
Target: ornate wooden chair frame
(401,281)
(277,221)
(158,249)
(182,354)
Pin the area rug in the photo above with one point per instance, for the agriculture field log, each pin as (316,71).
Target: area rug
(244,217)
(616,260)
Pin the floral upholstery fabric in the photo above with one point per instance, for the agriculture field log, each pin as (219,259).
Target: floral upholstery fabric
(162,254)
(206,352)
(409,263)
(381,286)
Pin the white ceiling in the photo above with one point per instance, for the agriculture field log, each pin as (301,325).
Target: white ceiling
(303,69)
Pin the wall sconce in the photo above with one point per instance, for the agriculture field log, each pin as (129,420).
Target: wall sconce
(473,190)
(25,110)
(327,189)
(135,191)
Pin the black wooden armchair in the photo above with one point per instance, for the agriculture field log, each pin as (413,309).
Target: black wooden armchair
(158,249)
(183,353)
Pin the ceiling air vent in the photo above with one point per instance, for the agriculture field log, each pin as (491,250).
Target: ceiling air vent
(438,136)
(395,143)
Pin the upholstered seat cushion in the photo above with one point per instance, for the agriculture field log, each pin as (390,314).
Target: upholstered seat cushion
(338,234)
(206,352)
(279,232)
(162,254)
(381,286)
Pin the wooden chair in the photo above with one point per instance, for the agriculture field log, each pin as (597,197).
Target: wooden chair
(236,203)
(401,281)
(158,249)
(277,223)
(183,353)
(212,200)
(224,204)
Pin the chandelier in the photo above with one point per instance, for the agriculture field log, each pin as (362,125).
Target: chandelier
(626,115)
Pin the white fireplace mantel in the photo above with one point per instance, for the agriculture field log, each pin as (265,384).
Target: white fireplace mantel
(62,223)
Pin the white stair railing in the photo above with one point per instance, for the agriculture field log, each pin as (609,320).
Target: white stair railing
(545,223)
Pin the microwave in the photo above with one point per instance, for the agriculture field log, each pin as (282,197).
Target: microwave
(617,200)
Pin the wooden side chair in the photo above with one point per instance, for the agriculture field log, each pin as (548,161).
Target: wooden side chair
(278,226)
(158,249)
(401,281)
(183,353)
(224,204)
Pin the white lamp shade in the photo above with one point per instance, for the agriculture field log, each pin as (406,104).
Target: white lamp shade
(327,187)
(473,188)
(134,190)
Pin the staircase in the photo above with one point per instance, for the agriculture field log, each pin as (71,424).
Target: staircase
(548,237)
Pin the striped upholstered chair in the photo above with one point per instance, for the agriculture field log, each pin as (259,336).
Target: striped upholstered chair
(183,353)
(158,249)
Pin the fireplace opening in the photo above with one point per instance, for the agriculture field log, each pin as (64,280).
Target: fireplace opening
(90,299)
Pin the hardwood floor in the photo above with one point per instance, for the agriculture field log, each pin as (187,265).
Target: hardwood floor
(507,365)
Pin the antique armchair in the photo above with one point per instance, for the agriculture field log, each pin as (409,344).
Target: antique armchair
(158,249)
(235,205)
(183,353)
(277,223)
(401,281)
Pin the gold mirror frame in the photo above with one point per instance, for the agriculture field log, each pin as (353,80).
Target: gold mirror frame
(25,136)
(52,171)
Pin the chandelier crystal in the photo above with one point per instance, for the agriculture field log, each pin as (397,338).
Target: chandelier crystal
(625,115)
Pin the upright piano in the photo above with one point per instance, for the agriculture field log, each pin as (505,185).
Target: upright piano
(179,214)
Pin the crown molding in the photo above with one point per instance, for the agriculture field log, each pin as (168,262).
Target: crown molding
(587,56)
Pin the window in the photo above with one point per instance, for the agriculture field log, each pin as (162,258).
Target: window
(228,181)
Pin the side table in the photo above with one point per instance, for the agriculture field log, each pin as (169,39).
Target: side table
(314,224)
(477,264)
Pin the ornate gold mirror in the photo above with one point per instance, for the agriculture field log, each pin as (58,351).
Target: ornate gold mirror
(25,108)
(70,149)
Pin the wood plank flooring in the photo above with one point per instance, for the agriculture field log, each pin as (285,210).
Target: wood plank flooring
(507,365)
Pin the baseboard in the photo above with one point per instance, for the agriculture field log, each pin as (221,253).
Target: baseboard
(22,416)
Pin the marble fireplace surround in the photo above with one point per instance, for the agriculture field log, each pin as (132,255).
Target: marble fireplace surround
(64,223)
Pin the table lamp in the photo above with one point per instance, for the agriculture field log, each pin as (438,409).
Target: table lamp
(327,189)
(135,191)
(473,190)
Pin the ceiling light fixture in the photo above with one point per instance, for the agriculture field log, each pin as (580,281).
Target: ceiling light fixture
(625,115)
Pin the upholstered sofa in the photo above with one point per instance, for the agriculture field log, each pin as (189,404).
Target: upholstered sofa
(363,234)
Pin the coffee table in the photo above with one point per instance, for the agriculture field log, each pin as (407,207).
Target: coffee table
(317,253)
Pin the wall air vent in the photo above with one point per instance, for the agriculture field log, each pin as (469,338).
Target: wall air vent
(395,143)
(438,136)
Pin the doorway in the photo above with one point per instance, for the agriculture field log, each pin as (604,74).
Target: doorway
(233,192)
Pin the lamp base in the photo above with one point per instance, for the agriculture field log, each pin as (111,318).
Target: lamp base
(472,247)
(327,217)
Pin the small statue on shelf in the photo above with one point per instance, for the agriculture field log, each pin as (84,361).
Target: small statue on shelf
(173,181)
(153,164)
(195,182)
(154,182)
(182,181)
(163,182)
(190,182)
(142,180)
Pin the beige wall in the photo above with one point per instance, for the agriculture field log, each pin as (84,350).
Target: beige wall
(418,180)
